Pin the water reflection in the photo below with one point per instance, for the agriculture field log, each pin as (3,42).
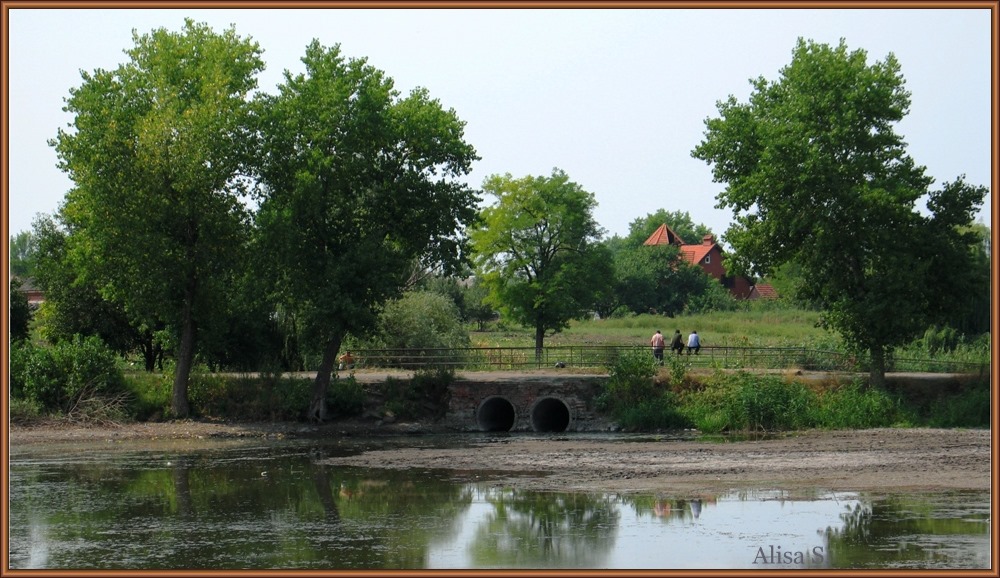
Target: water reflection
(273,505)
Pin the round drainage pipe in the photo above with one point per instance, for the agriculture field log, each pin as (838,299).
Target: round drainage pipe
(496,414)
(550,414)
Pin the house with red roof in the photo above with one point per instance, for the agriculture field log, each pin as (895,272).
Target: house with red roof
(708,255)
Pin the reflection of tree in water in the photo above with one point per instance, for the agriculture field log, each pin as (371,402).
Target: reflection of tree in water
(670,510)
(258,508)
(544,530)
(912,531)
(394,516)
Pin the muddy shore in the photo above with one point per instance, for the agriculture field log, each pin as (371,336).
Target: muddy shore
(903,460)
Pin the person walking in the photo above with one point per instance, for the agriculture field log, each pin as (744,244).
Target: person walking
(658,344)
(694,343)
(677,343)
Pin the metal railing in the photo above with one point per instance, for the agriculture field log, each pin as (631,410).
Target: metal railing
(600,356)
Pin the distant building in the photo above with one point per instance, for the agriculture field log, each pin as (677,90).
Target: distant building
(708,255)
(35,295)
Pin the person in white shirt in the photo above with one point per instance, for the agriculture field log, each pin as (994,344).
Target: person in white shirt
(694,343)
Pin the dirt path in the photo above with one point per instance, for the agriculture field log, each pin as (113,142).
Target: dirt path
(879,459)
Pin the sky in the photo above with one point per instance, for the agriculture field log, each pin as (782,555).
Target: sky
(616,98)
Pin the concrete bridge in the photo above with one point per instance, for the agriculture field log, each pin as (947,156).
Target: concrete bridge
(524,401)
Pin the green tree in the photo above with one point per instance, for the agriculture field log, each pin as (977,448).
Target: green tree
(815,174)
(157,152)
(538,251)
(73,302)
(656,280)
(22,254)
(422,320)
(679,222)
(20,311)
(357,184)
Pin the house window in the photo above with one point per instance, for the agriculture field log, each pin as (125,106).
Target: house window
(708,259)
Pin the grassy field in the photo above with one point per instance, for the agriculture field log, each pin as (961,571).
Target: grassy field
(754,328)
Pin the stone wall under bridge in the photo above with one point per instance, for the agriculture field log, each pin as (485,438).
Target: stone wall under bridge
(525,402)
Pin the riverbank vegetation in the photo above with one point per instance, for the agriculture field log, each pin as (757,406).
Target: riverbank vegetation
(641,396)
(84,382)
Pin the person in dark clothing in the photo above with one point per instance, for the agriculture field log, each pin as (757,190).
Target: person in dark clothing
(677,343)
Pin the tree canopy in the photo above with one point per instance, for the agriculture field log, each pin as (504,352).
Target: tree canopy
(537,251)
(156,152)
(680,222)
(815,174)
(357,183)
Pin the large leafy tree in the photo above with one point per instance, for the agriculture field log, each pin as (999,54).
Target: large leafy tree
(156,152)
(23,247)
(357,183)
(73,302)
(656,280)
(680,222)
(538,251)
(816,175)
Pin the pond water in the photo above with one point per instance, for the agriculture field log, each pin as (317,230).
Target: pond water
(268,504)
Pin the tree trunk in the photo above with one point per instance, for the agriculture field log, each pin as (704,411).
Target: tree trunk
(876,375)
(539,339)
(148,351)
(185,359)
(317,407)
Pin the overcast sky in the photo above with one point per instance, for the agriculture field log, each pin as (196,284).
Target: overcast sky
(616,98)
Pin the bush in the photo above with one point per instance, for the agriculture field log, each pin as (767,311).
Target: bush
(856,406)
(68,377)
(634,399)
(631,378)
(419,322)
(24,410)
(425,394)
(970,408)
(151,394)
(746,402)
(345,398)
(652,414)
(768,403)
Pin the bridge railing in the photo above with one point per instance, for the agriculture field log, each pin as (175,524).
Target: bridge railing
(594,356)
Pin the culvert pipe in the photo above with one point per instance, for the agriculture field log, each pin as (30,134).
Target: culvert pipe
(496,414)
(550,414)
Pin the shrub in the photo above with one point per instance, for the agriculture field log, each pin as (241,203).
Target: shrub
(68,376)
(747,402)
(345,397)
(856,406)
(24,410)
(657,413)
(768,403)
(419,322)
(970,408)
(634,399)
(425,394)
(151,394)
(631,378)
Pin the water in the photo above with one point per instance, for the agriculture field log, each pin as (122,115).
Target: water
(269,505)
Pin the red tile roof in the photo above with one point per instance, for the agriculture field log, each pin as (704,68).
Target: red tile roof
(664,235)
(766,291)
(695,253)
